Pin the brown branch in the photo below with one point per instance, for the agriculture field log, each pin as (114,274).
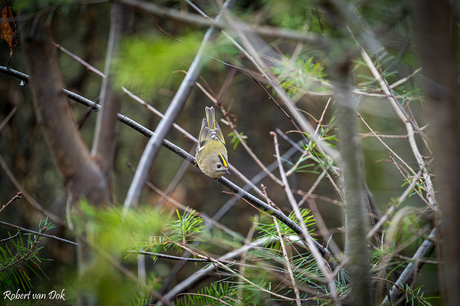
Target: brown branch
(81,175)
(17,196)
(185,17)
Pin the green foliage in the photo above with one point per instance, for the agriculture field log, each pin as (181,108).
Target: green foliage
(215,294)
(235,140)
(21,257)
(300,76)
(386,63)
(182,231)
(268,228)
(293,14)
(186,228)
(109,235)
(222,239)
(146,63)
(116,233)
(415,296)
(418,185)
(143,297)
(311,152)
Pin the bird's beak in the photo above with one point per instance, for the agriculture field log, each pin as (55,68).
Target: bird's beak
(228,172)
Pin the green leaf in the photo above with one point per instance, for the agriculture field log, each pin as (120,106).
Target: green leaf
(146,63)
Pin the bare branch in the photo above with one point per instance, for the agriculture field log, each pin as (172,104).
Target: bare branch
(104,140)
(28,197)
(165,124)
(182,16)
(410,130)
(286,257)
(412,268)
(38,233)
(306,235)
(81,61)
(16,196)
(201,273)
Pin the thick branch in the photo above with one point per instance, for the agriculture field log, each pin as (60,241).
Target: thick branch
(356,219)
(80,173)
(437,52)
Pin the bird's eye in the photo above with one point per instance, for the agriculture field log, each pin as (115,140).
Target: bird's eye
(219,166)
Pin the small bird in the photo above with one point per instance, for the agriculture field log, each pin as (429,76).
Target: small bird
(211,153)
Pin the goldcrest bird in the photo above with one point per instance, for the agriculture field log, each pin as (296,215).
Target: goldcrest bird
(211,154)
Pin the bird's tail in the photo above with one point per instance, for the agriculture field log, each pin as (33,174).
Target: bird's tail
(210,117)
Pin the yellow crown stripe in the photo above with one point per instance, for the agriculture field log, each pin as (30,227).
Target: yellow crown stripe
(222,159)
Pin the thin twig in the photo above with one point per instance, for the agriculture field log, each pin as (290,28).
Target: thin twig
(7,118)
(384,144)
(430,193)
(247,241)
(78,59)
(17,196)
(158,113)
(364,135)
(310,242)
(237,274)
(9,238)
(176,105)
(182,16)
(401,81)
(321,225)
(312,188)
(38,233)
(28,197)
(199,274)
(175,181)
(406,178)
(315,196)
(328,175)
(394,206)
(183,154)
(283,248)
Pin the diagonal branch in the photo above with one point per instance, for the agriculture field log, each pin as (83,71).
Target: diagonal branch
(305,234)
(430,193)
(178,102)
(38,233)
(413,267)
(183,154)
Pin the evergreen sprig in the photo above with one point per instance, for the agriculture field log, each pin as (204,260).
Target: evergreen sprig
(20,257)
